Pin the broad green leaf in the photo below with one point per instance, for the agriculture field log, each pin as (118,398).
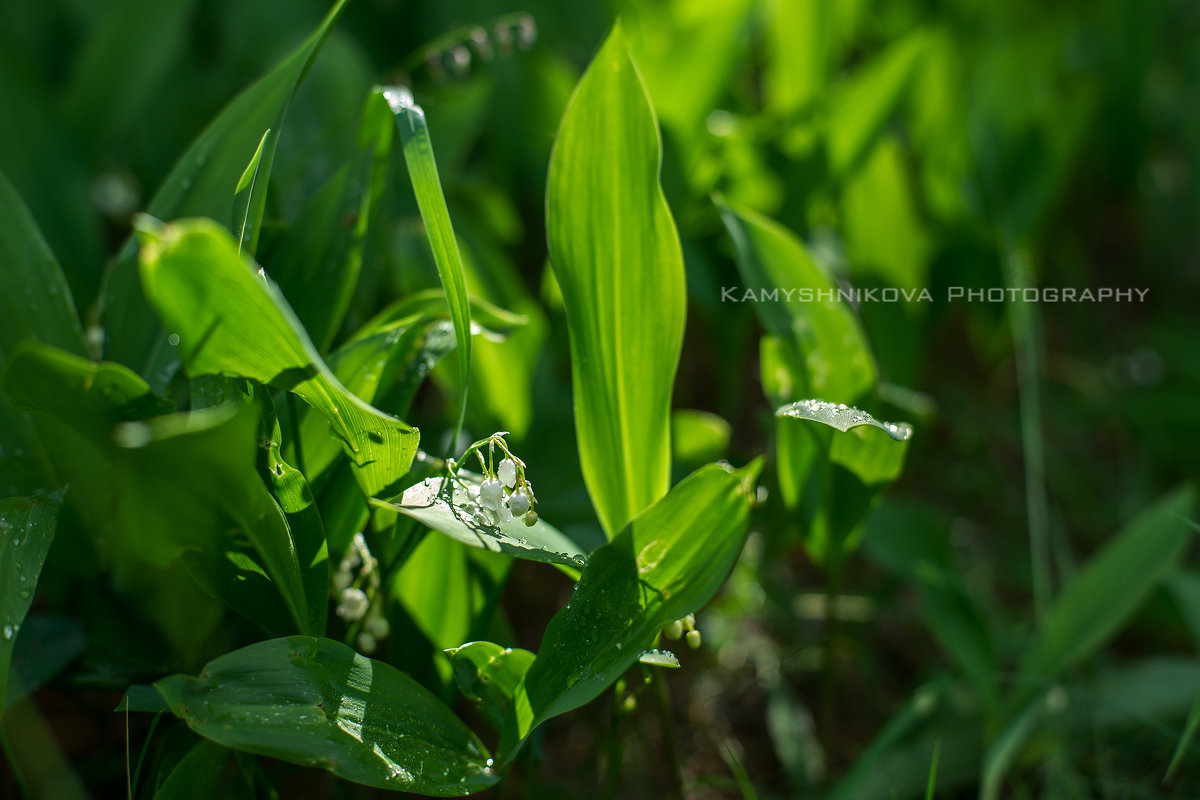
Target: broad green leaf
(442,505)
(318,263)
(1099,600)
(318,703)
(832,466)
(231,320)
(619,265)
(35,301)
(202,183)
(198,467)
(666,563)
(698,437)
(488,675)
(801,49)
(799,304)
(26,530)
(418,155)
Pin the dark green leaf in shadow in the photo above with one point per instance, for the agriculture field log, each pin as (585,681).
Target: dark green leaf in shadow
(488,675)
(444,507)
(666,563)
(26,531)
(418,155)
(318,703)
(198,775)
(619,265)
(230,319)
(202,183)
(35,302)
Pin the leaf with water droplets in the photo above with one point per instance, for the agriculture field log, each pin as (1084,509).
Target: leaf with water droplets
(26,530)
(667,562)
(659,658)
(446,507)
(318,703)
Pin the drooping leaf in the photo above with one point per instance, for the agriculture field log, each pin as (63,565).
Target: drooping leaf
(203,183)
(619,265)
(422,168)
(799,304)
(488,675)
(26,530)
(442,506)
(232,320)
(667,562)
(318,703)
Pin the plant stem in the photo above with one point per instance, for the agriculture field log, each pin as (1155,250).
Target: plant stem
(663,701)
(833,580)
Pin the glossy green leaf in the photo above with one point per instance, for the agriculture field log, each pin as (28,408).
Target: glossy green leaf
(316,702)
(26,530)
(202,183)
(666,563)
(619,265)
(798,303)
(488,676)
(35,301)
(442,506)
(422,168)
(216,303)
(198,775)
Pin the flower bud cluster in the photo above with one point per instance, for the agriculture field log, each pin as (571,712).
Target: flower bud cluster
(677,628)
(356,582)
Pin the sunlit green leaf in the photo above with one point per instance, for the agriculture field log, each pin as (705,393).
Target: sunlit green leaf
(666,563)
(216,303)
(26,530)
(443,508)
(316,702)
(698,437)
(618,262)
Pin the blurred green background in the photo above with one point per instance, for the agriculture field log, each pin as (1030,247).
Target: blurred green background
(912,144)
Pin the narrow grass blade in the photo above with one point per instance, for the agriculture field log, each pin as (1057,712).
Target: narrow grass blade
(422,168)
(248,207)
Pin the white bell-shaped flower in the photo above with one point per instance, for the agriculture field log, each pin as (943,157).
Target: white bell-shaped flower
(507,472)
(353,605)
(491,494)
(518,503)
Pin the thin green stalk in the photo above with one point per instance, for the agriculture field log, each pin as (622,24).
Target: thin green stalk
(828,703)
(663,703)
(1027,352)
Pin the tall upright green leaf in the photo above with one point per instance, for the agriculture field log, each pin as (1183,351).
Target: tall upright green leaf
(203,183)
(316,702)
(26,530)
(618,262)
(418,155)
(667,562)
(217,303)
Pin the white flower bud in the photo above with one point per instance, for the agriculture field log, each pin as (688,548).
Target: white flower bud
(366,642)
(379,627)
(518,503)
(507,472)
(491,494)
(531,518)
(353,605)
(674,630)
(693,638)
